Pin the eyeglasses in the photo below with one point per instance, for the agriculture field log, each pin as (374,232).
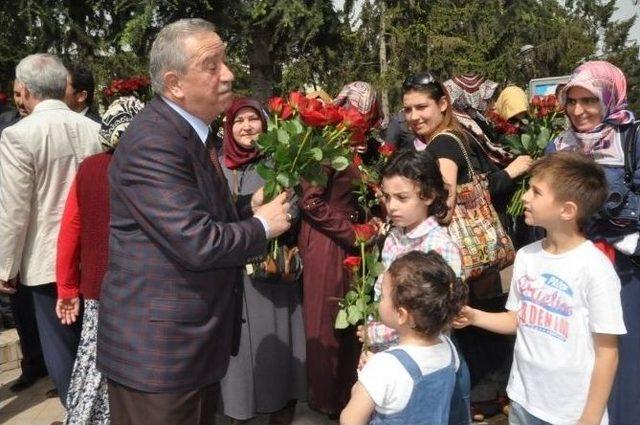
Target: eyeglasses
(421,79)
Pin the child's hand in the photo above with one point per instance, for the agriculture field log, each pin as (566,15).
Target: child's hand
(364,358)
(360,330)
(584,420)
(464,318)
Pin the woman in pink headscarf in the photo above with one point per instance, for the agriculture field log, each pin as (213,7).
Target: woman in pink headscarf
(603,128)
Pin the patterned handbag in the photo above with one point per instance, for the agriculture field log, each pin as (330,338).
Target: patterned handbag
(475,225)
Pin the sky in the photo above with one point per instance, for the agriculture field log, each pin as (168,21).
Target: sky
(626,9)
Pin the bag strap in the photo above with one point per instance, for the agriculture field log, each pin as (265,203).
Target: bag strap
(235,186)
(630,162)
(470,170)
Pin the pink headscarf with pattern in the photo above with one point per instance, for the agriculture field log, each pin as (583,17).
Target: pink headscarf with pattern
(608,83)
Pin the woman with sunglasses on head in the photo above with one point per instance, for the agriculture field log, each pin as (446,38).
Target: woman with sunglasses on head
(429,113)
(603,128)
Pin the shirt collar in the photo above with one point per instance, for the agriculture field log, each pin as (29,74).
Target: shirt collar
(201,128)
(420,231)
(49,104)
(84,111)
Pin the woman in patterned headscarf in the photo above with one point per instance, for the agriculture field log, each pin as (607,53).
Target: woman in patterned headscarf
(83,245)
(595,99)
(326,237)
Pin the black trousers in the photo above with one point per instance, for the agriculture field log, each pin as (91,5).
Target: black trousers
(59,342)
(128,406)
(24,315)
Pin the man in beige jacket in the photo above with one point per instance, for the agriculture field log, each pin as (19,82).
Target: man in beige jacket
(38,160)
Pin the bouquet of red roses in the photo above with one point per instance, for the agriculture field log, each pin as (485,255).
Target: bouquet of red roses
(359,304)
(368,187)
(544,122)
(302,137)
(138,86)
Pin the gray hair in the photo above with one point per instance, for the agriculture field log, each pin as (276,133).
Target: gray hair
(43,75)
(167,51)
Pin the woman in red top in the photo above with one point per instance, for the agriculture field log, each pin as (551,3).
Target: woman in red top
(83,245)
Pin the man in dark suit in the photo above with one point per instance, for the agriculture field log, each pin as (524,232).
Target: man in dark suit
(169,304)
(79,93)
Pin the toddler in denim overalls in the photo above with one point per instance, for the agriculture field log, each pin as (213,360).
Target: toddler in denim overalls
(411,383)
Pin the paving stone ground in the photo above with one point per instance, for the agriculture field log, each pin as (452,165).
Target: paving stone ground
(31,407)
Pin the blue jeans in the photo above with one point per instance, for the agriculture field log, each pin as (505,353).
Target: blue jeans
(519,416)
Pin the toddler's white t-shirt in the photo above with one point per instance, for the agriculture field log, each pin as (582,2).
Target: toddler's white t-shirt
(560,301)
(388,382)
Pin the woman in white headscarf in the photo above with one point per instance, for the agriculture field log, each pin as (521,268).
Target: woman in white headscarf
(82,252)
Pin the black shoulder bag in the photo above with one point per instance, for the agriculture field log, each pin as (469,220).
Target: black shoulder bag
(622,207)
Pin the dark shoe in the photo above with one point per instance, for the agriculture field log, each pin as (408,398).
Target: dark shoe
(52,393)
(22,383)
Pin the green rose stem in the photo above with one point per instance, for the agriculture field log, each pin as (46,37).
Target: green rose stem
(516,207)
(304,142)
(334,136)
(361,295)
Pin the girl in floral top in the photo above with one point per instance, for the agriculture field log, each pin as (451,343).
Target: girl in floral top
(415,199)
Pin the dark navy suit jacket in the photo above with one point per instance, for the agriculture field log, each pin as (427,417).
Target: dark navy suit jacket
(176,248)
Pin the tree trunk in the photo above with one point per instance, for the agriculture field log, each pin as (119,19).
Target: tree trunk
(260,66)
(383,63)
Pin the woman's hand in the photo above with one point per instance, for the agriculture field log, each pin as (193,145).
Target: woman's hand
(519,166)
(360,333)
(67,310)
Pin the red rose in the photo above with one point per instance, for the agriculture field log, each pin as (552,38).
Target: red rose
(386,150)
(551,101)
(364,232)
(313,113)
(287,112)
(536,101)
(357,160)
(313,118)
(543,111)
(353,119)
(511,129)
(333,114)
(275,105)
(297,100)
(352,262)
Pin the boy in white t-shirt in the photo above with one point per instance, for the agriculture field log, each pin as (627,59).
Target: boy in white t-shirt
(564,302)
